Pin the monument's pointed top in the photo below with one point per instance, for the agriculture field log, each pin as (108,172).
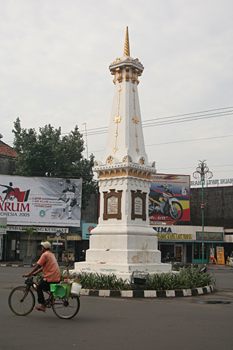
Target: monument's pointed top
(126,47)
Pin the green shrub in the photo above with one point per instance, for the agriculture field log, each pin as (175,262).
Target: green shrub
(101,281)
(184,279)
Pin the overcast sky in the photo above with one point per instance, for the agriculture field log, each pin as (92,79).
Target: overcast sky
(54,69)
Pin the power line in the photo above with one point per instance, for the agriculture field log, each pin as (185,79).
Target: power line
(191,140)
(211,166)
(179,141)
(193,116)
(158,123)
(186,114)
(223,112)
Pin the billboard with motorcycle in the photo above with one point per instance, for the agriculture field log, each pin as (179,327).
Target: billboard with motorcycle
(40,201)
(169,198)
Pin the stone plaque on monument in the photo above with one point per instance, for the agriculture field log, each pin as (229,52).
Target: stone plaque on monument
(138,206)
(112,205)
(138,210)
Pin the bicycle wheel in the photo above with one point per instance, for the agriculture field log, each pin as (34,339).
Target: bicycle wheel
(66,307)
(21,301)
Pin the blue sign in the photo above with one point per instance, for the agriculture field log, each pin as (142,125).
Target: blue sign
(86,230)
(210,236)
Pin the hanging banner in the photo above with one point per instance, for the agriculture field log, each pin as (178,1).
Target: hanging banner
(169,198)
(40,201)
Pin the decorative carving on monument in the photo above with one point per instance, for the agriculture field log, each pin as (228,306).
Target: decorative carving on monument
(127,69)
(113,72)
(135,121)
(142,160)
(117,119)
(119,76)
(135,74)
(133,79)
(127,159)
(112,205)
(125,59)
(118,172)
(110,160)
(138,207)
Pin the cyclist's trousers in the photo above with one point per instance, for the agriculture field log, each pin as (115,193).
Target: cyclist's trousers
(43,285)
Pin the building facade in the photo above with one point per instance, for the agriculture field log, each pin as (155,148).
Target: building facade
(183,244)
(183,240)
(7,159)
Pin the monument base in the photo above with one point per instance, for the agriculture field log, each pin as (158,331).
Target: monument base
(123,271)
(134,250)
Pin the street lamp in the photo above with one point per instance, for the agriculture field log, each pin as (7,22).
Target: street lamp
(202,171)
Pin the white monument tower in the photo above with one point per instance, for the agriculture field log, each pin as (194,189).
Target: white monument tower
(123,242)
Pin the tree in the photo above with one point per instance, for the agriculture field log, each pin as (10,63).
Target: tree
(29,231)
(51,154)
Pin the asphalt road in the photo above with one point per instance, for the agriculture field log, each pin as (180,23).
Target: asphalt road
(109,323)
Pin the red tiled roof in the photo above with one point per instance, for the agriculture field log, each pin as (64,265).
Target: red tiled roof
(6,150)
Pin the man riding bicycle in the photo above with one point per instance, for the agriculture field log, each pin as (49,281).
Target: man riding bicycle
(48,264)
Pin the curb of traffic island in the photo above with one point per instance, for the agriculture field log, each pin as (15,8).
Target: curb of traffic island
(16,265)
(147,293)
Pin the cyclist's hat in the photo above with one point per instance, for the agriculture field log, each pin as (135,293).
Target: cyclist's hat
(46,245)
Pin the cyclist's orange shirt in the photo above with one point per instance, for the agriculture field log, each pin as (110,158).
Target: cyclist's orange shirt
(50,267)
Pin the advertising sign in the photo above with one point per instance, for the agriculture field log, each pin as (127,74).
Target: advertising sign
(169,198)
(210,236)
(220,255)
(167,234)
(3,226)
(40,201)
(86,230)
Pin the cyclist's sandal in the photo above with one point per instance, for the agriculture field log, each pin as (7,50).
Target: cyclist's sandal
(39,308)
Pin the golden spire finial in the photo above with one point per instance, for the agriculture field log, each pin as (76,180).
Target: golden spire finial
(126,47)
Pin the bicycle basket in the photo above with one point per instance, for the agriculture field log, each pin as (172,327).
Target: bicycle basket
(59,291)
(29,281)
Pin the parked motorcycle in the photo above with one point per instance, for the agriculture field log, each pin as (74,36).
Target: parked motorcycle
(168,259)
(169,205)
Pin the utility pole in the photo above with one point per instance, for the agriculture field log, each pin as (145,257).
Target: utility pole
(202,171)
(86,137)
